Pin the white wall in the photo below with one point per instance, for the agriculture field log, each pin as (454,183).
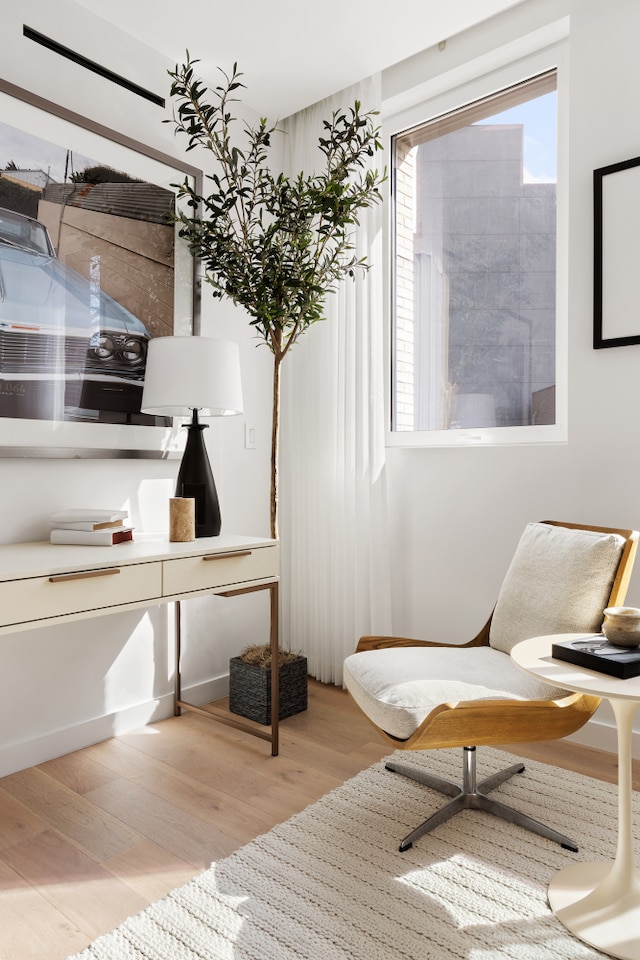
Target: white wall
(64,687)
(456,514)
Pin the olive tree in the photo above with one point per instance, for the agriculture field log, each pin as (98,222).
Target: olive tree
(274,244)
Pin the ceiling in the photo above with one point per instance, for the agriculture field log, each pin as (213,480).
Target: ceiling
(292,52)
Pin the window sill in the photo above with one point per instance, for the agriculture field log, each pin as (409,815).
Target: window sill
(494,437)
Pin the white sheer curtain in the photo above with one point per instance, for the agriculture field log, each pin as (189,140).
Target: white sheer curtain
(335,576)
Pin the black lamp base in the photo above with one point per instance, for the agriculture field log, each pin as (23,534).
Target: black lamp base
(195,479)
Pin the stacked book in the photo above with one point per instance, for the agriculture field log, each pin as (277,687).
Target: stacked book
(100,528)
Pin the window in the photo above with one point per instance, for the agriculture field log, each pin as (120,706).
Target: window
(474,317)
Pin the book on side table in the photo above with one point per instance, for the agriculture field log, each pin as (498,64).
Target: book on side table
(594,652)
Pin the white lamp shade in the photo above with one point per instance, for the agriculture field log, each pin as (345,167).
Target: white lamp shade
(187,373)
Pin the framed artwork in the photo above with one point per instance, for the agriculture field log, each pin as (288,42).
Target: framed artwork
(616,294)
(91,268)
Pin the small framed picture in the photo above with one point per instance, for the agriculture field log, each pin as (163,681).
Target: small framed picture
(616,293)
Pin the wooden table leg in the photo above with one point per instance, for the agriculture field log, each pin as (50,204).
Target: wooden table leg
(213,713)
(275,669)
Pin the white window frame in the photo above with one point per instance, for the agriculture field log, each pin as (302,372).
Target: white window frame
(486,76)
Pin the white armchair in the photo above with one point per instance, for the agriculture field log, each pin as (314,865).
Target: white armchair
(423,695)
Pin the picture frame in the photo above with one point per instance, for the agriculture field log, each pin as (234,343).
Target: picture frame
(616,293)
(115,274)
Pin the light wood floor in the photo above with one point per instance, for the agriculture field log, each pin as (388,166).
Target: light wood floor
(93,837)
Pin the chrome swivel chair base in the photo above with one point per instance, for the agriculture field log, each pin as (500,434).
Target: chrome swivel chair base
(472,796)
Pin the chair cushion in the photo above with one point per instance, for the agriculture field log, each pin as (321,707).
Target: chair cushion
(398,687)
(559,581)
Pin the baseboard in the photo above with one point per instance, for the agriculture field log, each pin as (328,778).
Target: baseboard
(602,735)
(57,743)
(598,733)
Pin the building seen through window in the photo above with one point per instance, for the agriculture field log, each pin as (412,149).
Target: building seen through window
(474,330)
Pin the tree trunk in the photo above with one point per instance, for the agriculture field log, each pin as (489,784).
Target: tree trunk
(275,444)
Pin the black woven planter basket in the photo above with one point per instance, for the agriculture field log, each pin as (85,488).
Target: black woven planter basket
(250,689)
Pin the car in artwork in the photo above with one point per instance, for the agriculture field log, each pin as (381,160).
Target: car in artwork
(67,349)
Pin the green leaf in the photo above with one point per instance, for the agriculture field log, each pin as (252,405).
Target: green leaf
(275,245)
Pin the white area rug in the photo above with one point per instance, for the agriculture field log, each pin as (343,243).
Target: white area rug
(330,884)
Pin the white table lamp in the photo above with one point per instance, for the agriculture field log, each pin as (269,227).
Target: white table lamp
(187,376)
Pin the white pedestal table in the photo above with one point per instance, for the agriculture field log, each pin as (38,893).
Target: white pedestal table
(598,902)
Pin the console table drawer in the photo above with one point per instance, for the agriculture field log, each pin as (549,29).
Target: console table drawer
(39,598)
(219,570)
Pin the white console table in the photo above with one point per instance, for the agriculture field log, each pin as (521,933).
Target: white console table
(43,584)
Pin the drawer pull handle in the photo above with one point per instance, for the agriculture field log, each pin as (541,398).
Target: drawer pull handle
(63,577)
(226,556)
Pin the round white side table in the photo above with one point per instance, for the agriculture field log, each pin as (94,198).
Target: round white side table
(598,902)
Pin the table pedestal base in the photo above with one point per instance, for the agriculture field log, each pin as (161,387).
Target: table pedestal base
(584,899)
